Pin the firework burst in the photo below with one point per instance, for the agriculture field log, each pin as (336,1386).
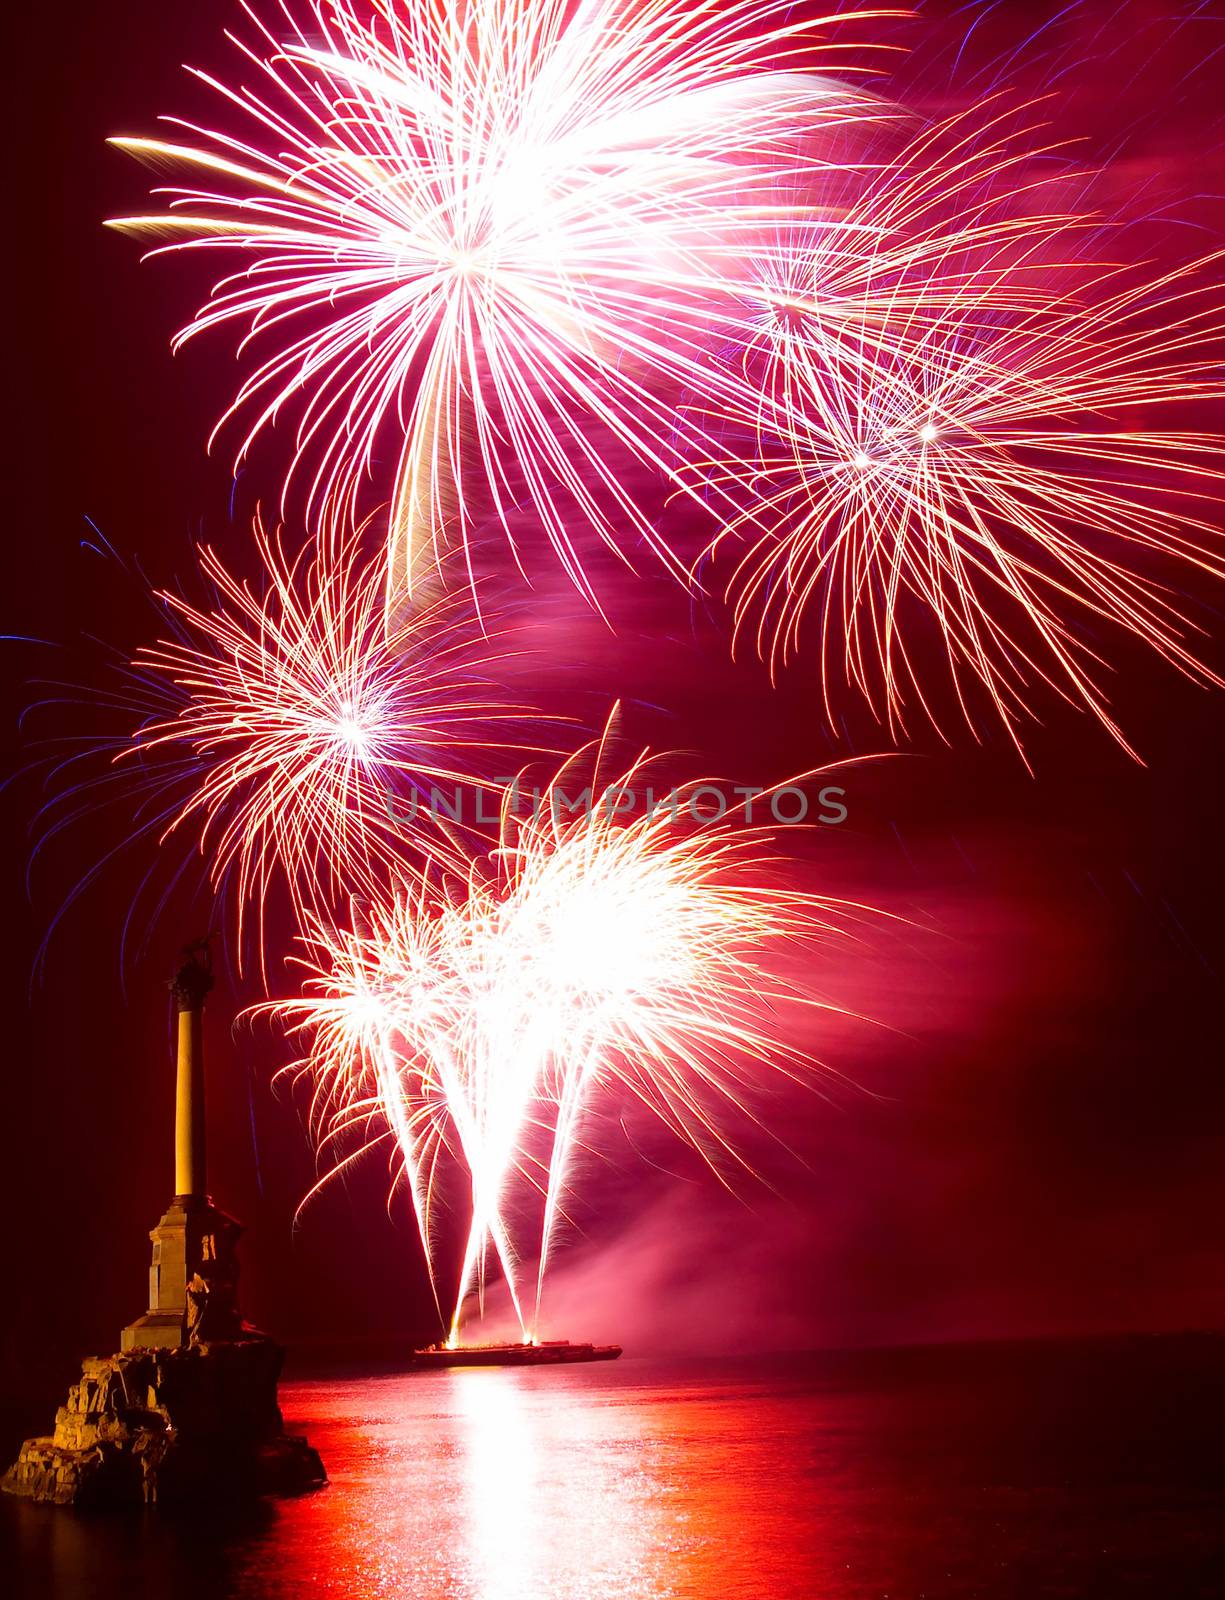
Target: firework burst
(472,231)
(308,727)
(593,957)
(969,425)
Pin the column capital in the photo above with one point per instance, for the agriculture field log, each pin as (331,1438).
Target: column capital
(194,977)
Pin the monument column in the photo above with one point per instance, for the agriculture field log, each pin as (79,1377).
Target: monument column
(191,984)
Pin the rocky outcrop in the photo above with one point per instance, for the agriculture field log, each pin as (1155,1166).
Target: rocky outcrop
(184,1423)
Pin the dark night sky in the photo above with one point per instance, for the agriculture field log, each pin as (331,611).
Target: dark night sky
(1040,1143)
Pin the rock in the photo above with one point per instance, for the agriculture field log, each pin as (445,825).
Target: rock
(169,1424)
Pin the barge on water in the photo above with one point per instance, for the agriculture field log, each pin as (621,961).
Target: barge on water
(548,1353)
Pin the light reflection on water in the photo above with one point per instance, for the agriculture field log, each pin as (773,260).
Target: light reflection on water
(513,1485)
(528,1529)
(957,1475)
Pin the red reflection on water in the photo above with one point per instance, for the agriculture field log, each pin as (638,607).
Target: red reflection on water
(510,1485)
(996,1472)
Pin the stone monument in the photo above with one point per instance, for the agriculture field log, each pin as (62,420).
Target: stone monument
(193,1279)
(187,1409)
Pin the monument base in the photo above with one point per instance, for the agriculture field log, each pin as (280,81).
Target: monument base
(155,1330)
(174,1424)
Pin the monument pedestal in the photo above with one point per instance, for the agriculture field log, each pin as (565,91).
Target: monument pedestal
(192,1278)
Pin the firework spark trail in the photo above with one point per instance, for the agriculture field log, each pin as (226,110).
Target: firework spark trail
(307,720)
(387,1019)
(363,1079)
(115,702)
(489,225)
(979,211)
(593,956)
(974,427)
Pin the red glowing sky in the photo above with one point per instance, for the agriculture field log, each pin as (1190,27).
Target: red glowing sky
(1033,1136)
